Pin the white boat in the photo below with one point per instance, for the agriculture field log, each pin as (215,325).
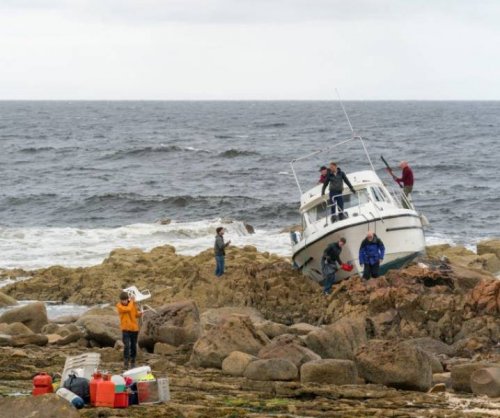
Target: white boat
(373,207)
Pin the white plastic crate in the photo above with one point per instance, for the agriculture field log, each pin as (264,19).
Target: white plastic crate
(88,363)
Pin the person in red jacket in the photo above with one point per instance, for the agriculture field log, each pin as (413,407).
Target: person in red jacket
(406,180)
(128,312)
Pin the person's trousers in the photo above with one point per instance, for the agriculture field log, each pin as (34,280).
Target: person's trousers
(337,202)
(219,265)
(371,270)
(329,278)
(406,200)
(129,345)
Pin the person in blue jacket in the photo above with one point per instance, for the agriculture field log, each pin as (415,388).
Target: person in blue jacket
(371,253)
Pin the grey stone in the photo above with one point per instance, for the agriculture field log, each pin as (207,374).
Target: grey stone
(329,372)
(271,369)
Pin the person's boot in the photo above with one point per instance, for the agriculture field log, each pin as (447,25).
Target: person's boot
(132,364)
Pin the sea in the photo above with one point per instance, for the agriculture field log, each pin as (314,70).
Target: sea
(79,179)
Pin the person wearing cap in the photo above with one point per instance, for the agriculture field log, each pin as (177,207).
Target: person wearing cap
(371,253)
(406,180)
(330,263)
(336,178)
(128,312)
(323,171)
(220,251)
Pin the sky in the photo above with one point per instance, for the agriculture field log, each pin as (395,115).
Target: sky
(249,49)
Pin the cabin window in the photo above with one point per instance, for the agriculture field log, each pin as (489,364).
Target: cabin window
(353,200)
(378,194)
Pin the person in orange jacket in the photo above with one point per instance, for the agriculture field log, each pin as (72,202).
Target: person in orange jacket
(128,312)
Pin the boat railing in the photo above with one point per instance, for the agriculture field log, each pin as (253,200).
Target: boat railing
(401,199)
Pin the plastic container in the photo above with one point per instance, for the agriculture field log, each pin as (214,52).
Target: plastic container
(121,400)
(133,398)
(119,382)
(138,373)
(73,399)
(105,393)
(163,389)
(87,362)
(42,384)
(96,378)
(148,392)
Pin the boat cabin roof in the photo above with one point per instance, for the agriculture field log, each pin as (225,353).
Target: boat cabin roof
(358,179)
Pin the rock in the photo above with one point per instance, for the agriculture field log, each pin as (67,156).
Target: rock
(436,365)
(104,329)
(98,311)
(16,328)
(50,328)
(235,333)
(6,300)
(119,345)
(211,317)
(250,229)
(5,340)
(339,340)
(486,382)
(34,316)
(431,346)
(442,378)
(438,388)
(491,246)
(236,363)
(69,338)
(164,349)
(45,406)
(302,328)
(175,324)
(272,329)
(271,369)
(289,347)
(33,339)
(394,364)
(53,338)
(329,372)
(461,375)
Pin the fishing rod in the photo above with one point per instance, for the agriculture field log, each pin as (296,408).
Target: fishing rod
(389,169)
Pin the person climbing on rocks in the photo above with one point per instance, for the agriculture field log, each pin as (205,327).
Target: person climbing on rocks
(128,312)
(220,251)
(371,253)
(330,263)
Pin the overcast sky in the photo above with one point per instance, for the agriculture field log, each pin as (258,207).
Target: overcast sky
(249,49)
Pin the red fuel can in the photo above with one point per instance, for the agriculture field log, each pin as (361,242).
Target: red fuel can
(42,384)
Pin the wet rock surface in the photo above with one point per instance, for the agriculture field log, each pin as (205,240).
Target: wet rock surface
(429,314)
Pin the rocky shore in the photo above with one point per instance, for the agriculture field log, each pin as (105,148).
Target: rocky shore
(263,340)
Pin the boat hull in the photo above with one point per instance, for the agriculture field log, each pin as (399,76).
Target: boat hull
(401,233)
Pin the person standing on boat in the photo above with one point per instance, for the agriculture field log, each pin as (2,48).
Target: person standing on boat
(330,263)
(336,178)
(220,251)
(371,253)
(406,180)
(323,171)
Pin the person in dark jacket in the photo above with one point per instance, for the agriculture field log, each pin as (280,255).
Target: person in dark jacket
(330,263)
(371,253)
(336,178)
(220,251)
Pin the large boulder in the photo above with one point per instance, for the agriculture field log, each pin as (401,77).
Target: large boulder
(236,363)
(486,382)
(104,329)
(461,375)
(34,316)
(176,324)
(211,317)
(289,347)
(271,369)
(15,328)
(491,246)
(6,300)
(29,339)
(302,328)
(432,346)
(45,406)
(329,372)
(394,364)
(340,340)
(235,333)
(272,329)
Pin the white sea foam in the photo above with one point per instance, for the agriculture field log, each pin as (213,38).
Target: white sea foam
(38,247)
(31,248)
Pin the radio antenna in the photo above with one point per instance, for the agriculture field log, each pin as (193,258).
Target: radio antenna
(345,113)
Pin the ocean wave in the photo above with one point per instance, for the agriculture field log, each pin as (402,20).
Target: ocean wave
(223,136)
(148,151)
(272,125)
(34,150)
(234,153)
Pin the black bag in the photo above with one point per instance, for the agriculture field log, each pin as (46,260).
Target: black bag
(79,386)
